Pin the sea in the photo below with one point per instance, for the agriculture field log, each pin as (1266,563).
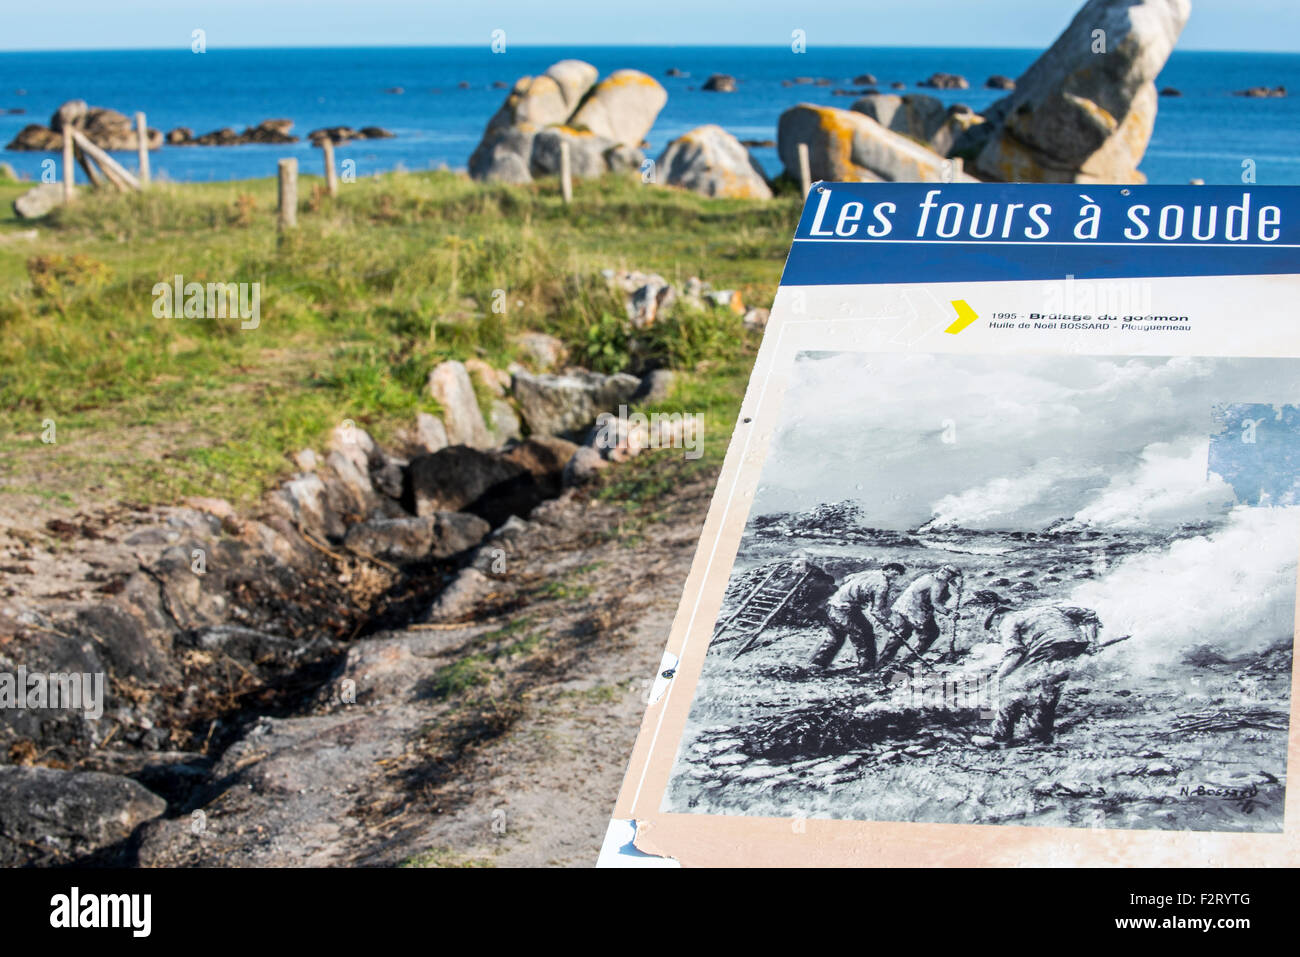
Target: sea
(448,94)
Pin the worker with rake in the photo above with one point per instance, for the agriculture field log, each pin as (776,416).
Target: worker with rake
(913,623)
(1040,644)
(859,606)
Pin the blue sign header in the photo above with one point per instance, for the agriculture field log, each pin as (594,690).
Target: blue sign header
(978,232)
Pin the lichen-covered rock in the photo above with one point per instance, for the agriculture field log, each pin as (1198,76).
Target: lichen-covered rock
(954,134)
(847,146)
(711,161)
(1084,112)
(504,154)
(622,107)
(603,124)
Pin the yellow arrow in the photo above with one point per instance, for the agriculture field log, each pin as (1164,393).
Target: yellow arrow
(965,316)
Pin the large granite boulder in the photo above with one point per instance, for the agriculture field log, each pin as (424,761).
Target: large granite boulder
(588,153)
(711,161)
(622,107)
(603,124)
(850,147)
(1081,115)
(958,135)
(914,114)
(535,102)
(504,156)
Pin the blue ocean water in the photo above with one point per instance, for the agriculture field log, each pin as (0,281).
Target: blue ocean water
(1205,133)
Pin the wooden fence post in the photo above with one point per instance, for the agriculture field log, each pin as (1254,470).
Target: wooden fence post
(113,171)
(69,177)
(288,218)
(142,138)
(566,173)
(331,176)
(805,169)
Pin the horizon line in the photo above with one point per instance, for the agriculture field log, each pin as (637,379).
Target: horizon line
(589,45)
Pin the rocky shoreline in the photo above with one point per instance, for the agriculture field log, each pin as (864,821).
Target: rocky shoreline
(110,130)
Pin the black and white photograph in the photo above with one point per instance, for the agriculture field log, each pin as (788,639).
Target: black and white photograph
(1011,589)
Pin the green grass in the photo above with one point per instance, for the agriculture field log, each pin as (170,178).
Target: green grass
(445,857)
(374,288)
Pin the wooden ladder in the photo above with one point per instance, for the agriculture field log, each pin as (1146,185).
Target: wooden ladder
(762,605)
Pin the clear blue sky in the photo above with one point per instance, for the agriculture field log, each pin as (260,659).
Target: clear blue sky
(98,24)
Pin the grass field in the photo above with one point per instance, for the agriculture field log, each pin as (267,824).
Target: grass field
(375,287)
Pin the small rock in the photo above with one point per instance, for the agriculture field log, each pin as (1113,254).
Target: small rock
(504,424)
(212,506)
(649,302)
(569,404)
(487,377)
(467,589)
(720,83)
(450,385)
(460,478)
(437,535)
(945,81)
(430,434)
(39,201)
(584,466)
(541,351)
(353,443)
(656,387)
(72,813)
